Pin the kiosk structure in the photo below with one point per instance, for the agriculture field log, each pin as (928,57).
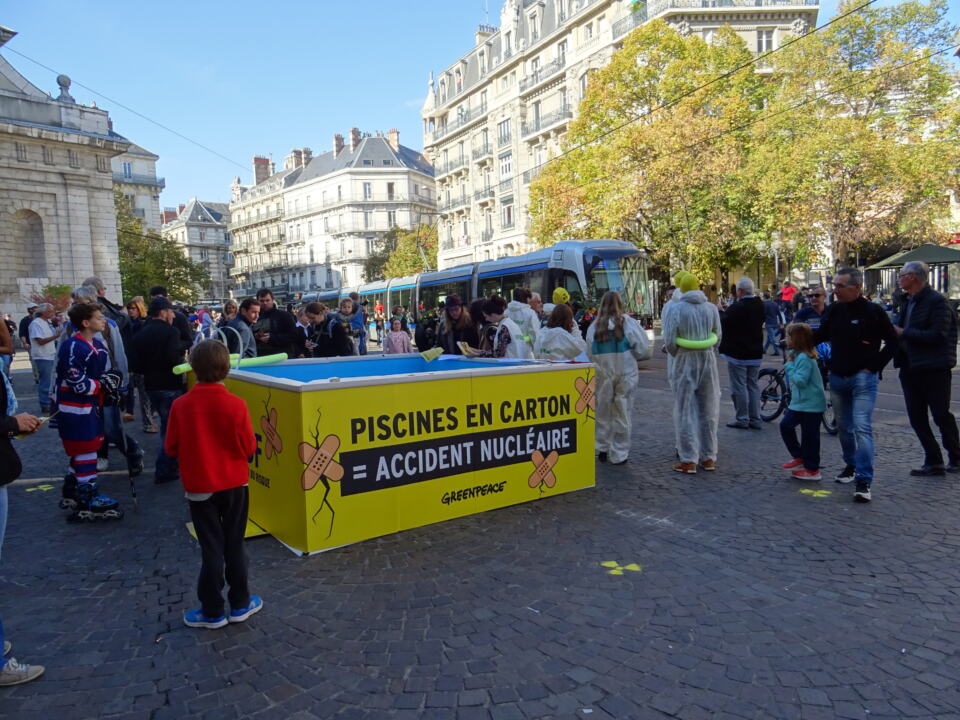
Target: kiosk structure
(354,448)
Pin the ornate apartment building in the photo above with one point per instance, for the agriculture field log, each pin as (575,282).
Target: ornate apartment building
(313,224)
(496,115)
(135,173)
(200,228)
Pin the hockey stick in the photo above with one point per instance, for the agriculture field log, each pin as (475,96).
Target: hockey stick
(133,486)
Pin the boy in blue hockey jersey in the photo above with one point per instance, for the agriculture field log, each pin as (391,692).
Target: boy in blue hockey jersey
(82,385)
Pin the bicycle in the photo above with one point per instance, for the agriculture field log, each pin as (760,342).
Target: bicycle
(775,395)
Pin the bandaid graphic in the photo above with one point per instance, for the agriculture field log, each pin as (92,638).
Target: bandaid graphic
(269,427)
(587,392)
(320,462)
(544,472)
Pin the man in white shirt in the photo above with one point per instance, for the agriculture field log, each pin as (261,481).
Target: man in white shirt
(43,352)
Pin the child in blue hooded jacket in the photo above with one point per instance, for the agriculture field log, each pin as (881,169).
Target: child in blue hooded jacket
(807,404)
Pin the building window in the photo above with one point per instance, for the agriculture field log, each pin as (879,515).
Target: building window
(128,170)
(458,79)
(326,224)
(391,187)
(506,216)
(203,236)
(503,132)
(73,158)
(391,218)
(21,152)
(310,229)
(482,56)
(313,277)
(339,193)
(764,41)
(368,162)
(506,166)
(367,219)
(708,35)
(367,191)
(534,29)
(203,253)
(48,158)
(588,31)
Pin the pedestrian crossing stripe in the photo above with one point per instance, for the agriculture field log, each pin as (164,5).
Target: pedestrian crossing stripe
(617,568)
(816,493)
(42,488)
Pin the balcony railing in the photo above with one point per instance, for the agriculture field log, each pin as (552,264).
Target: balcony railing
(541,74)
(455,242)
(482,152)
(463,118)
(453,203)
(546,121)
(506,185)
(532,173)
(240,222)
(140,180)
(487,192)
(486,236)
(504,140)
(633,20)
(659,7)
(508,224)
(451,166)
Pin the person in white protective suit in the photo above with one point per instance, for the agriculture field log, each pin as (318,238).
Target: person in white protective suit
(524,316)
(667,307)
(694,322)
(615,342)
(560,340)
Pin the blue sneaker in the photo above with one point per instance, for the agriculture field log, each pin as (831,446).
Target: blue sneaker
(254,606)
(196,619)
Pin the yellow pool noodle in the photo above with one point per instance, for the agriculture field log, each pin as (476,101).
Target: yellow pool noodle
(245,362)
(709,342)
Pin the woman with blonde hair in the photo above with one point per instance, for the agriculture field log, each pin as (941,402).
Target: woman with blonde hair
(615,342)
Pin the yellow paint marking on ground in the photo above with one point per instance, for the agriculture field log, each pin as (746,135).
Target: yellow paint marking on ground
(43,488)
(617,569)
(816,493)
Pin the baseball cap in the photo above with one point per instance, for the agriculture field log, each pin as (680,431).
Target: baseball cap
(453,301)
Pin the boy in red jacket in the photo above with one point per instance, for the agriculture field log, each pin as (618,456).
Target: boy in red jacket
(209,430)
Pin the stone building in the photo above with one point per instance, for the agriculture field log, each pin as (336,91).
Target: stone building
(497,114)
(313,224)
(57,219)
(135,173)
(200,228)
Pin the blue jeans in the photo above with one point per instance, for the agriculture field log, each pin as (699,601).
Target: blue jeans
(161,400)
(808,449)
(772,340)
(853,400)
(5,362)
(3,530)
(45,384)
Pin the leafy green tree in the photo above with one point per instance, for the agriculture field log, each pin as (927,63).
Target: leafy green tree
(672,180)
(148,259)
(863,140)
(415,252)
(383,247)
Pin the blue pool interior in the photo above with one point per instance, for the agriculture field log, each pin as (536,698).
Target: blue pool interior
(310,372)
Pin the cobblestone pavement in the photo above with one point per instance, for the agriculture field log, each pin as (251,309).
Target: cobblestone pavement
(754,599)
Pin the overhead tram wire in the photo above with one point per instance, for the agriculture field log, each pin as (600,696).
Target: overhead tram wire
(795,106)
(131,110)
(707,84)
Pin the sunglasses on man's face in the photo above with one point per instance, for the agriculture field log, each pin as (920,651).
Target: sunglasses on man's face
(817,295)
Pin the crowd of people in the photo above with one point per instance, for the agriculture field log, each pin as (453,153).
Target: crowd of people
(94,365)
(841,348)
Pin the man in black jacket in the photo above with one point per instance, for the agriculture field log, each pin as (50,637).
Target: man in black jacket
(928,350)
(155,350)
(856,329)
(180,321)
(276,329)
(742,346)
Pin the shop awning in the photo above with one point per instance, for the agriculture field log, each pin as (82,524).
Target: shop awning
(928,252)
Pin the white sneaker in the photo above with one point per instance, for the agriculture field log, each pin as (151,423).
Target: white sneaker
(14,673)
(103,464)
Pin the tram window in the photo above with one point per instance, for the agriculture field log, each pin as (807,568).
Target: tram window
(536,281)
(432,295)
(401,297)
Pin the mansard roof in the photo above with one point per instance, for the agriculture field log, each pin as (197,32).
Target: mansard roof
(373,153)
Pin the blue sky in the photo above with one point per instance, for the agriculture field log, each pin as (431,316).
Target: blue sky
(245,81)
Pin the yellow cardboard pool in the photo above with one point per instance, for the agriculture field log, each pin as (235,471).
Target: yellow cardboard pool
(354,448)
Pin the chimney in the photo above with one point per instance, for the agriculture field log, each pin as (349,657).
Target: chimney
(337,144)
(261,169)
(180,208)
(354,139)
(297,157)
(307,156)
(393,137)
(483,32)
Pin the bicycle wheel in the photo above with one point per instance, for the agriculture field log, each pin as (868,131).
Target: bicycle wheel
(774,395)
(829,418)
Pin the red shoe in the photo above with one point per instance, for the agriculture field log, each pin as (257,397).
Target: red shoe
(795,463)
(804,474)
